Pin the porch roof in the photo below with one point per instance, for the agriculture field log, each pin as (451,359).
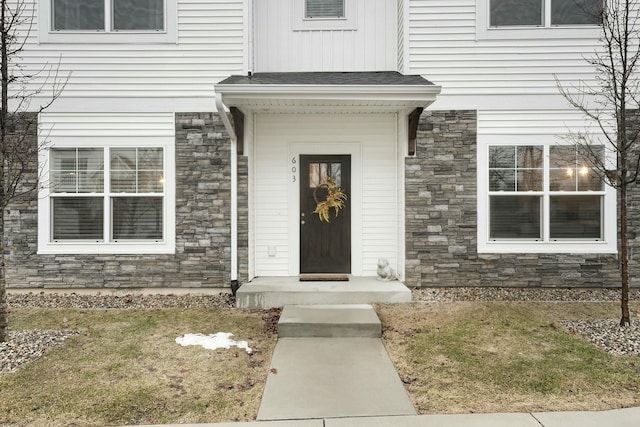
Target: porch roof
(384,91)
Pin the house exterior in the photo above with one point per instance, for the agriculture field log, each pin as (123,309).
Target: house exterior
(192,139)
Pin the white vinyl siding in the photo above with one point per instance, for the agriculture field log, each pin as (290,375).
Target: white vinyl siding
(208,47)
(485,74)
(366,41)
(114,135)
(370,140)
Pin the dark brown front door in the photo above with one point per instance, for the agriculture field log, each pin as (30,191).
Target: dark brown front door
(325,247)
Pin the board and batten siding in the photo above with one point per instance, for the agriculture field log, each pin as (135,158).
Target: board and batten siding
(370,45)
(209,46)
(476,73)
(371,141)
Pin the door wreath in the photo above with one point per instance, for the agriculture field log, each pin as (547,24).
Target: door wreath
(336,199)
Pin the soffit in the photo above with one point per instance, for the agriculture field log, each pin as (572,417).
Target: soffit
(327,92)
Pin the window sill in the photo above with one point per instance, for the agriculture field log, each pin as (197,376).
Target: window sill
(521,33)
(137,248)
(533,247)
(102,37)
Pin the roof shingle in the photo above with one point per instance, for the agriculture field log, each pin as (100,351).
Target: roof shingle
(357,78)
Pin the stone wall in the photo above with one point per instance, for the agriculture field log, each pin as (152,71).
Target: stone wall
(441,221)
(202,257)
(633,122)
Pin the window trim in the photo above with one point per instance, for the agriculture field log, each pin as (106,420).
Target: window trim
(302,23)
(485,32)
(608,243)
(46,245)
(46,33)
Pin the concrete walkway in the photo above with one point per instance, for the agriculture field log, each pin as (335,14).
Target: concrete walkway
(332,377)
(333,364)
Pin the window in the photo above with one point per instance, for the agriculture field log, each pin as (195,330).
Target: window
(324,8)
(532,12)
(128,21)
(321,15)
(107,196)
(541,197)
(502,19)
(135,15)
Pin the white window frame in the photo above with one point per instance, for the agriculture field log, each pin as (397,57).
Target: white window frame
(46,33)
(46,245)
(608,243)
(302,23)
(485,32)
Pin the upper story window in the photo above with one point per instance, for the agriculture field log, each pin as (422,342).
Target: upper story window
(107,21)
(324,8)
(320,15)
(522,19)
(134,15)
(544,13)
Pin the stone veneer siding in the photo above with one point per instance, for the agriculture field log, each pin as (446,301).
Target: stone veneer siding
(203,254)
(441,221)
(633,235)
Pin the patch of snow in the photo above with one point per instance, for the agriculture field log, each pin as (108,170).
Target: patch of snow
(212,341)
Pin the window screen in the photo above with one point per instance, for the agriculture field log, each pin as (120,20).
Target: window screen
(138,15)
(78,14)
(324,9)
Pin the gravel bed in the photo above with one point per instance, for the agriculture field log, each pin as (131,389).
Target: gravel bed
(25,346)
(102,302)
(521,294)
(608,335)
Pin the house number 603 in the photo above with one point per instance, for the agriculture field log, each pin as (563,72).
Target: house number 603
(293,169)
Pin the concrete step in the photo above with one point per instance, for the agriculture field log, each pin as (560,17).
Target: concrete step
(270,292)
(329,321)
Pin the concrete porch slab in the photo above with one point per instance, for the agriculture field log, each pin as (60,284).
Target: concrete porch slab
(338,320)
(270,292)
(332,377)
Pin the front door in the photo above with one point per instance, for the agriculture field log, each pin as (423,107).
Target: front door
(325,245)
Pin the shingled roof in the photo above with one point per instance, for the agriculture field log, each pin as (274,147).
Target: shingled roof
(366,78)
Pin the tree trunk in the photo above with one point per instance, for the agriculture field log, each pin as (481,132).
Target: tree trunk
(624,259)
(4,86)
(4,309)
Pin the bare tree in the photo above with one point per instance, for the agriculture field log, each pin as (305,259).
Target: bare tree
(609,103)
(18,120)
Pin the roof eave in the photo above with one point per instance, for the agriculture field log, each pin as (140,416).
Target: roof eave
(233,94)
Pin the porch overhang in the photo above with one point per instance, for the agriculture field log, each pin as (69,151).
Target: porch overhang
(338,92)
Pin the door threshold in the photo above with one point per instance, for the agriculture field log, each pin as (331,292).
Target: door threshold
(324,277)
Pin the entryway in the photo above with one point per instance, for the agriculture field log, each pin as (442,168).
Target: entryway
(292,155)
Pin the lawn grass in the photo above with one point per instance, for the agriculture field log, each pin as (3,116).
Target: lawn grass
(505,357)
(125,368)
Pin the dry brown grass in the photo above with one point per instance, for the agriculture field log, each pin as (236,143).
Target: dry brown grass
(125,368)
(505,357)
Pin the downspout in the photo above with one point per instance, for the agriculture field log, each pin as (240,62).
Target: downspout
(234,191)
